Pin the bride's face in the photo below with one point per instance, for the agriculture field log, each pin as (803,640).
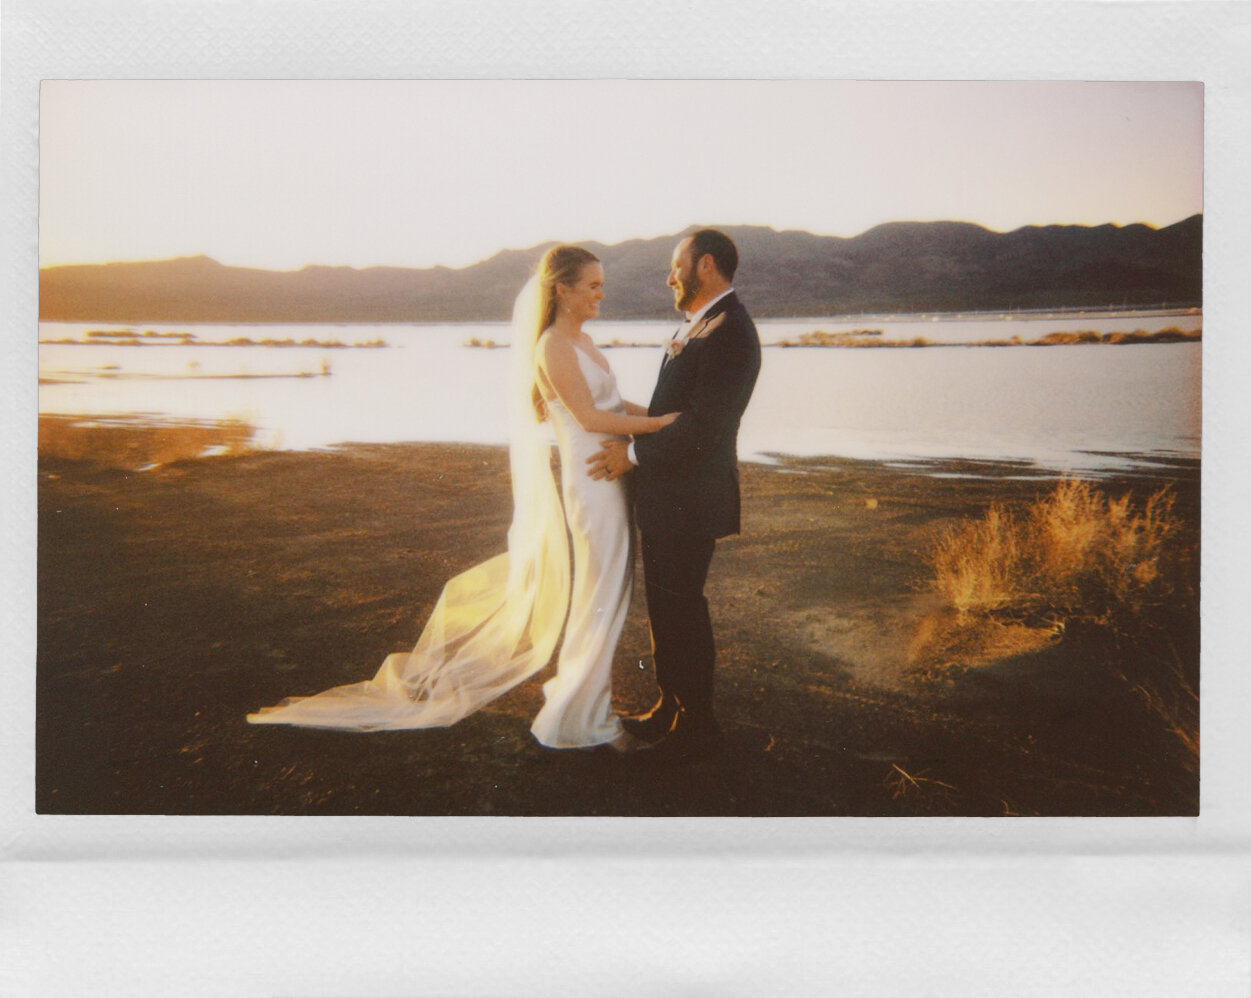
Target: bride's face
(582,299)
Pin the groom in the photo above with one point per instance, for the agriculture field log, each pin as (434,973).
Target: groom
(686,489)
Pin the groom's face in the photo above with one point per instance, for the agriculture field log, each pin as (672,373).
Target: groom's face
(682,277)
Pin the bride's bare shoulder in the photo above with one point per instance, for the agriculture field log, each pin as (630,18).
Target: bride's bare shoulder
(551,345)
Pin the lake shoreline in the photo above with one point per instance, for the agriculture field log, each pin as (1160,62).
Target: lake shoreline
(1054,405)
(137,442)
(175,600)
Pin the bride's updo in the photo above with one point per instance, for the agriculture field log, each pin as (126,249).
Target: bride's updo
(560,265)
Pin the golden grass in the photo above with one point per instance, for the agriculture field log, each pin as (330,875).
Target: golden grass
(947,640)
(1073,552)
(133,445)
(1074,557)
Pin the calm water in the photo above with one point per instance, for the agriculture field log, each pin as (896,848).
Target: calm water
(1079,408)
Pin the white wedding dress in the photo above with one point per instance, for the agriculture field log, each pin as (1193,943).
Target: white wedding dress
(499,622)
(578,707)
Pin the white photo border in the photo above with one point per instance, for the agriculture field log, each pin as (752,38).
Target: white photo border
(106,872)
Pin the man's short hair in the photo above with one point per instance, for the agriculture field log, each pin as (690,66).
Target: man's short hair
(719,246)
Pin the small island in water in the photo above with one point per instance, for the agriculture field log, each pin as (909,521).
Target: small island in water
(872,338)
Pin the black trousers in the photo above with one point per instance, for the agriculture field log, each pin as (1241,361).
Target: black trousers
(675,567)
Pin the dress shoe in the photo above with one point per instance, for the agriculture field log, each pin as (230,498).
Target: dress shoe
(653,725)
(685,742)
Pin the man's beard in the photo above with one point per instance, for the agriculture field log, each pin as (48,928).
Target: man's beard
(691,287)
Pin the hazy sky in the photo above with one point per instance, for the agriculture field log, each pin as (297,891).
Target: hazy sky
(286,173)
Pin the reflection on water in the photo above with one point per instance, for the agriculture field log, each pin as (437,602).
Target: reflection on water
(138,443)
(1072,408)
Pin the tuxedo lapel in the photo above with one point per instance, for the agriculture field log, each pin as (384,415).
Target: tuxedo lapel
(667,361)
(668,358)
(696,332)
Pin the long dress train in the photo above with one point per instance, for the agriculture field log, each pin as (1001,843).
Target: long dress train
(498,623)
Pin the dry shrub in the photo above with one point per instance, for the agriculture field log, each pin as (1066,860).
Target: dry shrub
(1073,553)
(1079,561)
(978,566)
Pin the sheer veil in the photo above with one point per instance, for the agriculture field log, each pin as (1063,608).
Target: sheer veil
(496,623)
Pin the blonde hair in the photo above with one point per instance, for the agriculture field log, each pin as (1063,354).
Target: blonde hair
(560,265)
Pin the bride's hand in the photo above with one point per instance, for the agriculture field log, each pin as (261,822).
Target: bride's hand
(666,419)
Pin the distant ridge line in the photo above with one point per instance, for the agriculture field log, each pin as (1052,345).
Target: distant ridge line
(892,267)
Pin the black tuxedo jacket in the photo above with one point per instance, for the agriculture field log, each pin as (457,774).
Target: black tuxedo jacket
(687,476)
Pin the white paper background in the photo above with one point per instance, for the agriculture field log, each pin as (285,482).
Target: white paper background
(460,907)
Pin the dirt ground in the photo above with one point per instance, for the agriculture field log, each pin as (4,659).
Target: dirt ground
(175,600)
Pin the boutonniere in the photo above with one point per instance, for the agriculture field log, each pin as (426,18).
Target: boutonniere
(674,348)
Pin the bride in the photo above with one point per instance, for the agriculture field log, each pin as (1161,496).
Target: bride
(499,622)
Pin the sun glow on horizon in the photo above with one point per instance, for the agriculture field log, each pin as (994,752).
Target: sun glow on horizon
(539,246)
(281,175)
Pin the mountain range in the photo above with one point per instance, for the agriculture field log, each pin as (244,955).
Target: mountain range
(894,267)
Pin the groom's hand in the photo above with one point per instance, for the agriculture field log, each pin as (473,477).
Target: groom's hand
(611,462)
